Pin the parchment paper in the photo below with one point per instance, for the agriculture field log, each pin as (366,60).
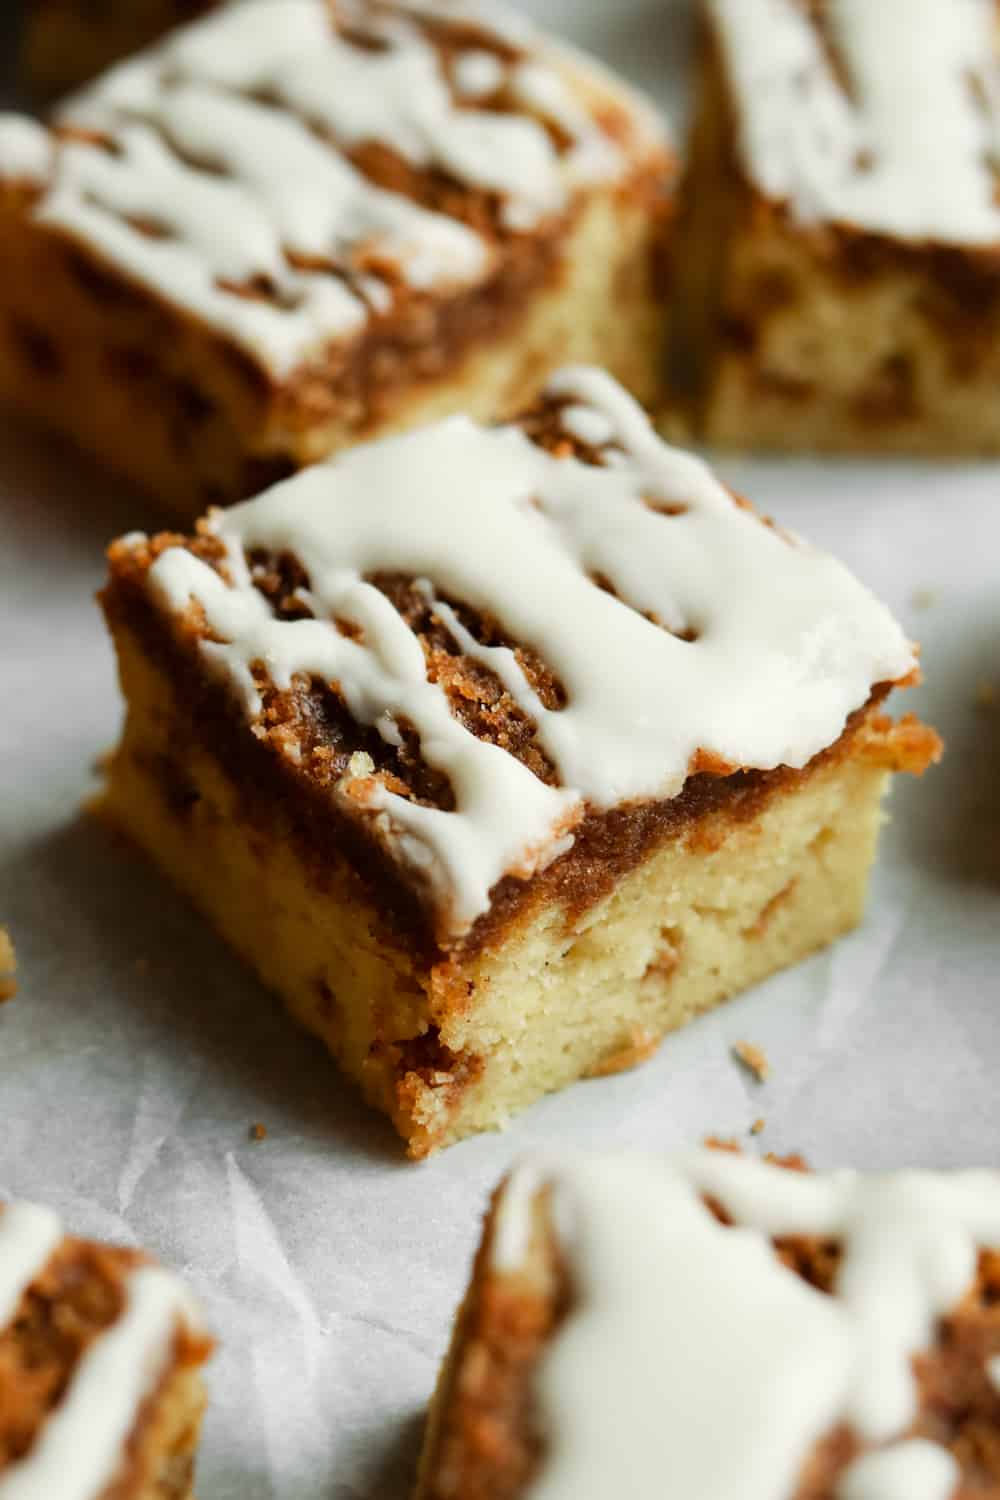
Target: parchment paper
(138,1052)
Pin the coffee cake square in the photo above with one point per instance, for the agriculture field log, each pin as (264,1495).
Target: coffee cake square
(838,257)
(295,224)
(501,751)
(718,1325)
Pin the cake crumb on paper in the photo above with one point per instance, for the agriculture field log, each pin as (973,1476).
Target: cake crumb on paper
(758,1125)
(258,1131)
(923,598)
(8,967)
(753,1058)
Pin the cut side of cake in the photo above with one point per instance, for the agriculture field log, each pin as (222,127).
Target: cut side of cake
(502,751)
(711,1325)
(67,42)
(837,265)
(100,1350)
(294,224)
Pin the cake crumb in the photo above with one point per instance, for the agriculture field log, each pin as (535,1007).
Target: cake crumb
(923,598)
(753,1058)
(986,694)
(8,967)
(758,1125)
(258,1132)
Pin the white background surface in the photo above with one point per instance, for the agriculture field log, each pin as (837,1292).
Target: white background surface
(138,1053)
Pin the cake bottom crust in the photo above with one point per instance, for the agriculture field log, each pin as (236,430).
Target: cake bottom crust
(453,1047)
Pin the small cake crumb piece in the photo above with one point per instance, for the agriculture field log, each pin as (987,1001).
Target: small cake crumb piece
(758,1125)
(258,1132)
(986,694)
(923,598)
(8,967)
(640,1047)
(753,1058)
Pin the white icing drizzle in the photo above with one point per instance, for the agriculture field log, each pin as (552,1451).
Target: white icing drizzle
(28,1236)
(226,167)
(690,1347)
(587,425)
(79,1450)
(788,645)
(478,74)
(25,149)
(911,152)
(913,1470)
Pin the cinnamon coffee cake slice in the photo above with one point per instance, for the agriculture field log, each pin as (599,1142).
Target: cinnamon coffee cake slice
(294,224)
(838,264)
(100,1351)
(710,1325)
(499,752)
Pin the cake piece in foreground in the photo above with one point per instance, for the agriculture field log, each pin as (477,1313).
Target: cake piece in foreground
(68,41)
(501,751)
(838,264)
(715,1327)
(294,224)
(100,1350)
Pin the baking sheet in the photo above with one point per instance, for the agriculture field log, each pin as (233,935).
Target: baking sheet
(138,1053)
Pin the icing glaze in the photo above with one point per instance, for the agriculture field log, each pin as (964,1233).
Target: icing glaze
(221,166)
(478,74)
(681,1327)
(28,1236)
(913,1470)
(911,148)
(79,1450)
(786,643)
(25,149)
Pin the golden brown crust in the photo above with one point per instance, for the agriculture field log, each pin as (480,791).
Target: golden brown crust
(483,1442)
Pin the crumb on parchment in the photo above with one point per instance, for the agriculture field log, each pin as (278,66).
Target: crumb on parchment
(258,1131)
(8,967)
(753,1058)
(758,1125)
